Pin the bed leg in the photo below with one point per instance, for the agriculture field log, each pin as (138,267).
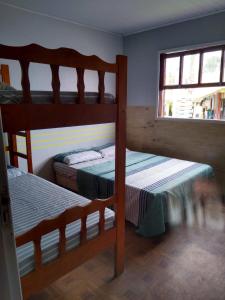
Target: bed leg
(202,202)
(120,237)
(119,253)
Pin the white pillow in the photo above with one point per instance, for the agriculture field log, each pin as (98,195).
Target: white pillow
(81,157)
(109,151)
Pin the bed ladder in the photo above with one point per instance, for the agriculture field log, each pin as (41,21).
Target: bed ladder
(14,154)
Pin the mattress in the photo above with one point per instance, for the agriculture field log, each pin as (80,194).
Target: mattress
(66,175)
(45,97)
(157,188)
(45,200)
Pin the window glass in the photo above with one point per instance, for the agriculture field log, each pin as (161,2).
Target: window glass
(195,103)
(211,66)
(172,70)
(190,69)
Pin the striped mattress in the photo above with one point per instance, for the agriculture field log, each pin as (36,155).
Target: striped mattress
(34,199)
(157,187)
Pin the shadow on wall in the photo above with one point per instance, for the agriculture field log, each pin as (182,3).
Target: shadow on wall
(46,170)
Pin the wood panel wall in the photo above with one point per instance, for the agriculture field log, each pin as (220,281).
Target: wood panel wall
(190,140)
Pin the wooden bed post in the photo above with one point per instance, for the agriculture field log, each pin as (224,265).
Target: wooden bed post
(4,70)
(121,95)
(13,150)
(12,137)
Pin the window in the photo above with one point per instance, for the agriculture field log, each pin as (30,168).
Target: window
(192,84)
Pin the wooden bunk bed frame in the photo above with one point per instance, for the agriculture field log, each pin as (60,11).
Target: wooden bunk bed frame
(14,154)
(42,116)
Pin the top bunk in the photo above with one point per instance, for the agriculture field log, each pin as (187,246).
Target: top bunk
(28,110)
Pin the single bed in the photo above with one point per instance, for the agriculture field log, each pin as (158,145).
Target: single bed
(158,188)
(45,200)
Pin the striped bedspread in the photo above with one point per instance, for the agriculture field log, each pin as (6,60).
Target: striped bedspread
(156,187)
(34,199)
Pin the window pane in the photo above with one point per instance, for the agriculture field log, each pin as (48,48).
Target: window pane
(211,66)
(190,69)
(172,70)
(196,103)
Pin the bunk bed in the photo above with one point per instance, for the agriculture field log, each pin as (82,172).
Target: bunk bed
(26,115)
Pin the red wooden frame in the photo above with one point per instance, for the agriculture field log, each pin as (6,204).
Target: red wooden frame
(180,85)
(39,116)
(12,138)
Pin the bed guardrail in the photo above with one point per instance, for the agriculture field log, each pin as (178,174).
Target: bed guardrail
(58,115)
(59,223)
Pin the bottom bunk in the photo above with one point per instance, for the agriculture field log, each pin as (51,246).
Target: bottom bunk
(55,229)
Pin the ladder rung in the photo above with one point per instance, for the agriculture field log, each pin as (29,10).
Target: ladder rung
(20,154)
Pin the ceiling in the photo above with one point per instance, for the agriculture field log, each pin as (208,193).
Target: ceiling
(122,16)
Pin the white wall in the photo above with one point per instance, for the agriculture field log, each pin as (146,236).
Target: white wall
(18,27)
(143,49)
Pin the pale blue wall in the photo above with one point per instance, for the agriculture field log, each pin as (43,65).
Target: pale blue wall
(142,50)
(18,27)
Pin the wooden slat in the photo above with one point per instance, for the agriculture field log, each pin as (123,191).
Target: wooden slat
(101,87)
(19,154)
(62,56)
(121,92)
(55,83)
(35,281)
(80,85)
(62,240)
(102,220)
(13,150)
(29,152)
(5,74)
(14,154)
(37,253)
(43,116)
(83,232)
(25,82)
